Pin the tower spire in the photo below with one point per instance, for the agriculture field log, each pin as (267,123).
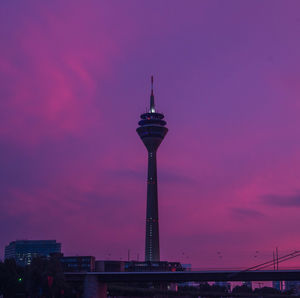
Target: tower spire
(152,105)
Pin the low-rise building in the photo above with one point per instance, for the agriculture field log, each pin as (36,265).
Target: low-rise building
(78,263)
(135,266)
(293,286)
(23,251)
(110,266)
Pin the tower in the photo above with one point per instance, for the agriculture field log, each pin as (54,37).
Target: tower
(152,131)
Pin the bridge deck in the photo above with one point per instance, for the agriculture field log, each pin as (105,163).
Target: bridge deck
(200,276)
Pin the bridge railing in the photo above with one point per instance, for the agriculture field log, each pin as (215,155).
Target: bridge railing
(268,265)
(194,269)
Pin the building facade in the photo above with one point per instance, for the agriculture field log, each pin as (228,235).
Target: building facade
(293,286)
(110,266)
(78,263)
(23,251)
(135,266)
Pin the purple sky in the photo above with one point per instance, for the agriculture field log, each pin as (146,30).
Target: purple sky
(75,76)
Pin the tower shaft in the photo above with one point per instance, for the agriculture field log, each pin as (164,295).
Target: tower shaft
(152,229)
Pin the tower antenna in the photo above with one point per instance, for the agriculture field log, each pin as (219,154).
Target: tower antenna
(151,84)
(152,105)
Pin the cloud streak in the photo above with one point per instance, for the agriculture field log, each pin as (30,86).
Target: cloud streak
(282,200)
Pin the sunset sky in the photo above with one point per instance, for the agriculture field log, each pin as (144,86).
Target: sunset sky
(74,79)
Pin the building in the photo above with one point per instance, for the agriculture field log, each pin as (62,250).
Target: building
(293,286)
(248,284)
(110,266)
(23,251)
(152,131)
(223,284)
(187,267)
(277,284)
(136,266)
(78,263)
(162,266)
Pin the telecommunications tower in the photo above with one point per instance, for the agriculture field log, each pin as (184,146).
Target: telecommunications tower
(152,131)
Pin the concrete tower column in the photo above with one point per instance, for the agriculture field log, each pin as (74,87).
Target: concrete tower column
(152,229)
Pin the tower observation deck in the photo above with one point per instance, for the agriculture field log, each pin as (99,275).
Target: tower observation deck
(152,131)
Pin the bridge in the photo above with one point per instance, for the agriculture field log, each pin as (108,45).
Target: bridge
(95,283)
